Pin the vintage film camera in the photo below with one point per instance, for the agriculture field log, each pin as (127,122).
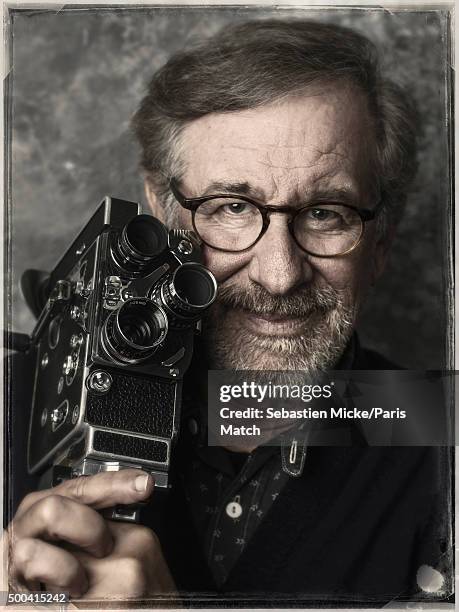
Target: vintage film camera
(112,343)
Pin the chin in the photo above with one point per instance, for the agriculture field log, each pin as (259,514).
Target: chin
(318,348)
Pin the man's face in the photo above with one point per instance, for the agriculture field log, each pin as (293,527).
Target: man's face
(279,307)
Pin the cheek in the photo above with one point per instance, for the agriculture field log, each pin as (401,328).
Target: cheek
(223,265)
(352,273)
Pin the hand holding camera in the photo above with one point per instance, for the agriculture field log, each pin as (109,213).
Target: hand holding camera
(59,539)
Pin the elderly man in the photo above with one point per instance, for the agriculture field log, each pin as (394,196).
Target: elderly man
(281,145)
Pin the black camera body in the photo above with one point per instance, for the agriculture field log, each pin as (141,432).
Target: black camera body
(112,344)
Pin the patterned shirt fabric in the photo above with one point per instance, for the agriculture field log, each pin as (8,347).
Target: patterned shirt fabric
(229,495)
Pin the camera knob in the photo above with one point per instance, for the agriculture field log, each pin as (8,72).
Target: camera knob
(99,381)
(185,247)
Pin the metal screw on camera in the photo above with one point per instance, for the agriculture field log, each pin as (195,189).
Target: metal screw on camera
(174,372)
(76,340)
(44,416)
(185,247)
(44,360)
(58,415)
(75,312)
(85,292)
(127,294)
(75,414)
(100,381)
(67,366)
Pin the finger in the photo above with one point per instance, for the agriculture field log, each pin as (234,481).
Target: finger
(102,490)
(133,540)
(136,542)
(59,518)
(132,579)
(35,561)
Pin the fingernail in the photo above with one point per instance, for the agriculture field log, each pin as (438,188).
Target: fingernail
(141,483)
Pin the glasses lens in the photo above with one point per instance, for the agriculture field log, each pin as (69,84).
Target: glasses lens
(328,229)
(227,223)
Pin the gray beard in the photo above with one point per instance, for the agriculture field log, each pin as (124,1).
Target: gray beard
(328,317)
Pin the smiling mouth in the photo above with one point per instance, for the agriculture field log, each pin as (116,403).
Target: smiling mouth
(264,324)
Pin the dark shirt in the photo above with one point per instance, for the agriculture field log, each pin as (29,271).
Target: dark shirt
(229,493)
(354,526)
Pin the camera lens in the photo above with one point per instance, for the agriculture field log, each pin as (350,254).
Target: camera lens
(134,331)
(146,235)
(194,285)
(141,333)
(190,290)
(140,243)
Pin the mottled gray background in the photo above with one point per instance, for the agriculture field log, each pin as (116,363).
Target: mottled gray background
(77,76)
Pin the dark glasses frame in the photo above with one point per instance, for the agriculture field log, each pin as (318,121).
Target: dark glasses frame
(192,204)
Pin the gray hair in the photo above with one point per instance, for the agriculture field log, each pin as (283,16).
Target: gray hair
(259,62)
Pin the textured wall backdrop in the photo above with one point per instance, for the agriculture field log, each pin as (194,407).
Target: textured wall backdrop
(77,76)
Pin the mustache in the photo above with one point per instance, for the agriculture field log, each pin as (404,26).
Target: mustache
(299,303)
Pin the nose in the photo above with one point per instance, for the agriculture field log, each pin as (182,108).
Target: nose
(277,262)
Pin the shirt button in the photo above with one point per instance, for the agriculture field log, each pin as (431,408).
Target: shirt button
(193,426)
(234,509)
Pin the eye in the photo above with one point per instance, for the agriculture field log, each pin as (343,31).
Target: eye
(237,208)
(328,218)
(322,214)
(227,210)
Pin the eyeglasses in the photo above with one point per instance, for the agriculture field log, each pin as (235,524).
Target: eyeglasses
(235,223)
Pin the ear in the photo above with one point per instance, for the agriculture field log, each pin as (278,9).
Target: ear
(154,204)
(381,253)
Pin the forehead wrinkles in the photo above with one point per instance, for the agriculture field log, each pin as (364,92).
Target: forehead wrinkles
(306,158)
(298,139)
(272,169)
(305,166)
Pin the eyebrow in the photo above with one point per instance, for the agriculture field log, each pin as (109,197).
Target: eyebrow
(344,195)
(238,188)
